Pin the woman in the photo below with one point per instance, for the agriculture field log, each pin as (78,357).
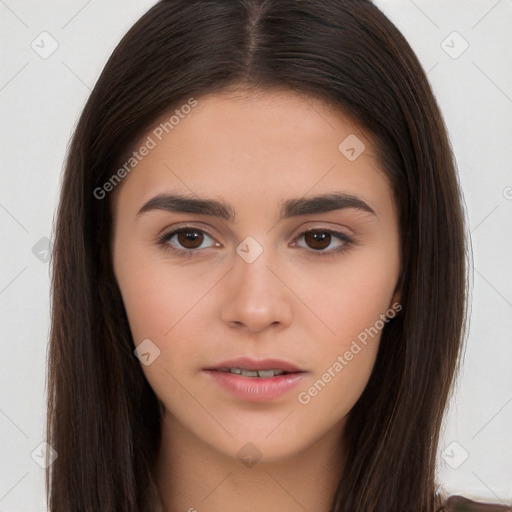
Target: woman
(258,271)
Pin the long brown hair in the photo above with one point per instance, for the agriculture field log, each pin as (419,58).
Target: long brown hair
(103,417)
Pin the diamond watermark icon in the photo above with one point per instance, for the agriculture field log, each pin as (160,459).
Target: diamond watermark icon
(44,45)
(454,45)
(249,455)
(352,147)
(39,455)
(147,352)
(42,250)
(455,455)
(249,249)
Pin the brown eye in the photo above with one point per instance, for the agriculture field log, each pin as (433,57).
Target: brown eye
(189,238)
(186,240)
(325,242)
(318,239)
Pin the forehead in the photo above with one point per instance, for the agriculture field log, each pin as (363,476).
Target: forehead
(277,118)
(256,142)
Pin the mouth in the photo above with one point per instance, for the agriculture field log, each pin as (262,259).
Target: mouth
(255,381)
(249,367)
(261,374)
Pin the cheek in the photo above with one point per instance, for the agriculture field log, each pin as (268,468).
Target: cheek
(352,304)
(335,390)
(155,298)
(350,297)
(158,305)
(168,306)
(352,300)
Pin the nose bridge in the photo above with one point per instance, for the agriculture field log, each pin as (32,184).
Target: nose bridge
(255,297)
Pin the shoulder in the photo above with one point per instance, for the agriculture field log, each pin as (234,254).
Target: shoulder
(461,504)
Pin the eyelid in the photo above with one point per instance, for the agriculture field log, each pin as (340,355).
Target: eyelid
(186,225)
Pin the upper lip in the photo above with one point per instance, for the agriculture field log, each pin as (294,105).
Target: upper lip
(257,364)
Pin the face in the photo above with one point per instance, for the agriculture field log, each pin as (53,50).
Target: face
(267,280)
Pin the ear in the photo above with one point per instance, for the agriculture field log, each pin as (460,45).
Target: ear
(397,294)
(395,304)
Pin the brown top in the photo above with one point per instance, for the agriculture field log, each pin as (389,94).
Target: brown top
(462,504)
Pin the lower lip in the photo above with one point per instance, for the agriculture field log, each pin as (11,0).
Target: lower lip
(255,389)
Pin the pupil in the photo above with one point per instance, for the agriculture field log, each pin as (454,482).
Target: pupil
(317,239)
(188,237)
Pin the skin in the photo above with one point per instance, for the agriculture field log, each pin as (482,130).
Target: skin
(292,303)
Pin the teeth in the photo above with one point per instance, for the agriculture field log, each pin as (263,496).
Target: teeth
(265,374)
(269,373)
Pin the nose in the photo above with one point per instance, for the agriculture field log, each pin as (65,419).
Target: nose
(255,296)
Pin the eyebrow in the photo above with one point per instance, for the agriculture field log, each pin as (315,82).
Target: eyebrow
(324,203)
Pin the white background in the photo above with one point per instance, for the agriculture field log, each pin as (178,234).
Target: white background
(40,100)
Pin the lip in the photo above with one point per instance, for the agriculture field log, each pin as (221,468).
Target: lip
(261,364)
(256,389)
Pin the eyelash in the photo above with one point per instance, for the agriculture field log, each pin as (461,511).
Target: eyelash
(164,240)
